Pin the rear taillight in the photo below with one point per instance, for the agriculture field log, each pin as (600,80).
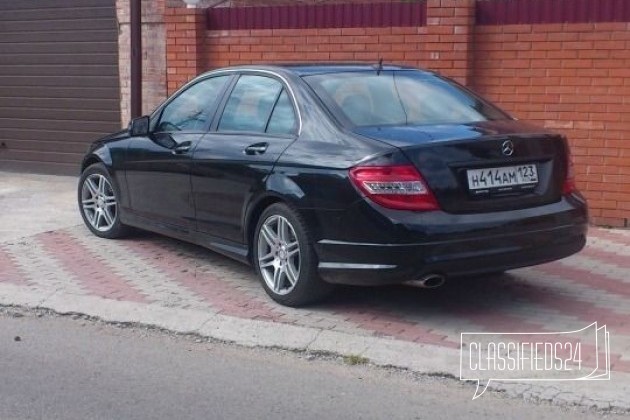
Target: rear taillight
(569,181)
(398,187)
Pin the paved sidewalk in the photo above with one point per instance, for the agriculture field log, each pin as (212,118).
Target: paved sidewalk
(31,204)
(160,281)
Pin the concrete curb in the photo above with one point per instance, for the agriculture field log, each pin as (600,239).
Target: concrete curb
(420,358)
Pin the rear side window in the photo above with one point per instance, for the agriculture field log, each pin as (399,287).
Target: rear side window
(191,109)
(250,104)
(283,120)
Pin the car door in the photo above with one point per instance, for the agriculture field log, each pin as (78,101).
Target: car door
(158,166)
(231,163)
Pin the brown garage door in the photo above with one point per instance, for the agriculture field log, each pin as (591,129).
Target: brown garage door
(59,86)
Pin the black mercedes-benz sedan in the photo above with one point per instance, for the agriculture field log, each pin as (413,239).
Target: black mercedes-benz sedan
(350,173)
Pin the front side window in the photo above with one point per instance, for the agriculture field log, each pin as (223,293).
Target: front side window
(250,104)
(400,98)
(191,109)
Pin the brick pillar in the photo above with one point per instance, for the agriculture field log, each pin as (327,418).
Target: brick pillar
(450,29)
(153,56)
(185,31)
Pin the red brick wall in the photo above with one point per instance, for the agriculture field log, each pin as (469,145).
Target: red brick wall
(440,45)
(335,44)
(574,78)
(185,45)
(241,3)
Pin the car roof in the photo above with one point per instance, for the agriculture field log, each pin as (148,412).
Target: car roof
(308,69)
(319,68)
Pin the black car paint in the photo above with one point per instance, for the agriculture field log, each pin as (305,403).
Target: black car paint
(446,151)
(212,195)
(228,229)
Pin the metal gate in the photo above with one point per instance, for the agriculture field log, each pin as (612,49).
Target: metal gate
(59,86)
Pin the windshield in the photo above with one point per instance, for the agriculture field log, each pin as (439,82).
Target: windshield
(400,98)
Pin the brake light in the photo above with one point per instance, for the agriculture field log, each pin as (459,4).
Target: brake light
(569,181)
(398,187)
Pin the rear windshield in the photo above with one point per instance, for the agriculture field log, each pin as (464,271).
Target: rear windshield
(400,98)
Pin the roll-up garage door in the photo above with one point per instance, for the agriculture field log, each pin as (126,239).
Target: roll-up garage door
(59,86)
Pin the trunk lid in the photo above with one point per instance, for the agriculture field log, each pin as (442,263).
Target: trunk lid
(469,170)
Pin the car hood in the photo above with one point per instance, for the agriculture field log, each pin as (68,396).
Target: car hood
(413,135)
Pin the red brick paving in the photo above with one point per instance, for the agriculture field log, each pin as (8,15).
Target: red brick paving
(9,271)
(621,261)
(89,269)
(554,297)
(620,237)
(217,293)
(604,282)
(400,329)
(581,310)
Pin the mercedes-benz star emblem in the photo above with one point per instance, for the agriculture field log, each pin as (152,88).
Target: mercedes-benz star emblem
(507,148)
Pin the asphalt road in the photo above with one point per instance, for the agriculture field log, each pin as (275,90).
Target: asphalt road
(61,368)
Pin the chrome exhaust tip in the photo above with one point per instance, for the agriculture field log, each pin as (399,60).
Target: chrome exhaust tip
(430,281)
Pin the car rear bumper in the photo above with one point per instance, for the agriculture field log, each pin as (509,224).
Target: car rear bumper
(456,246)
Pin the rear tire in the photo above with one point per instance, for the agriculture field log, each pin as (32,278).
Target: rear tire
(99,203)
(285,260)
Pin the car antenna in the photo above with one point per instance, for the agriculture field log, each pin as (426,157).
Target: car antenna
(379,67)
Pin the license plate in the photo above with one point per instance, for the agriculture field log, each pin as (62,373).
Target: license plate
(504,179)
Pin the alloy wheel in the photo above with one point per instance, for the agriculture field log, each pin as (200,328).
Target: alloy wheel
(279,254)
(98,202)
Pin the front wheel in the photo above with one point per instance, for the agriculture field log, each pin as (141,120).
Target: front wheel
(285,259)
(99,203)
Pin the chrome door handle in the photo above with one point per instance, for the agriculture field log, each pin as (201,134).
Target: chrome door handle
(256,149)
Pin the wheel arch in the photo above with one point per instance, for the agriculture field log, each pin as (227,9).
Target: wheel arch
(253,215)
(278,189)
(89,161)
(98,154)
(102,155)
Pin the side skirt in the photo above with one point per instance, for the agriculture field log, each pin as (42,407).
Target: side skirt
(236,251)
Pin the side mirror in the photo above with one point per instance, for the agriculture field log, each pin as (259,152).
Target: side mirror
(139,126)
